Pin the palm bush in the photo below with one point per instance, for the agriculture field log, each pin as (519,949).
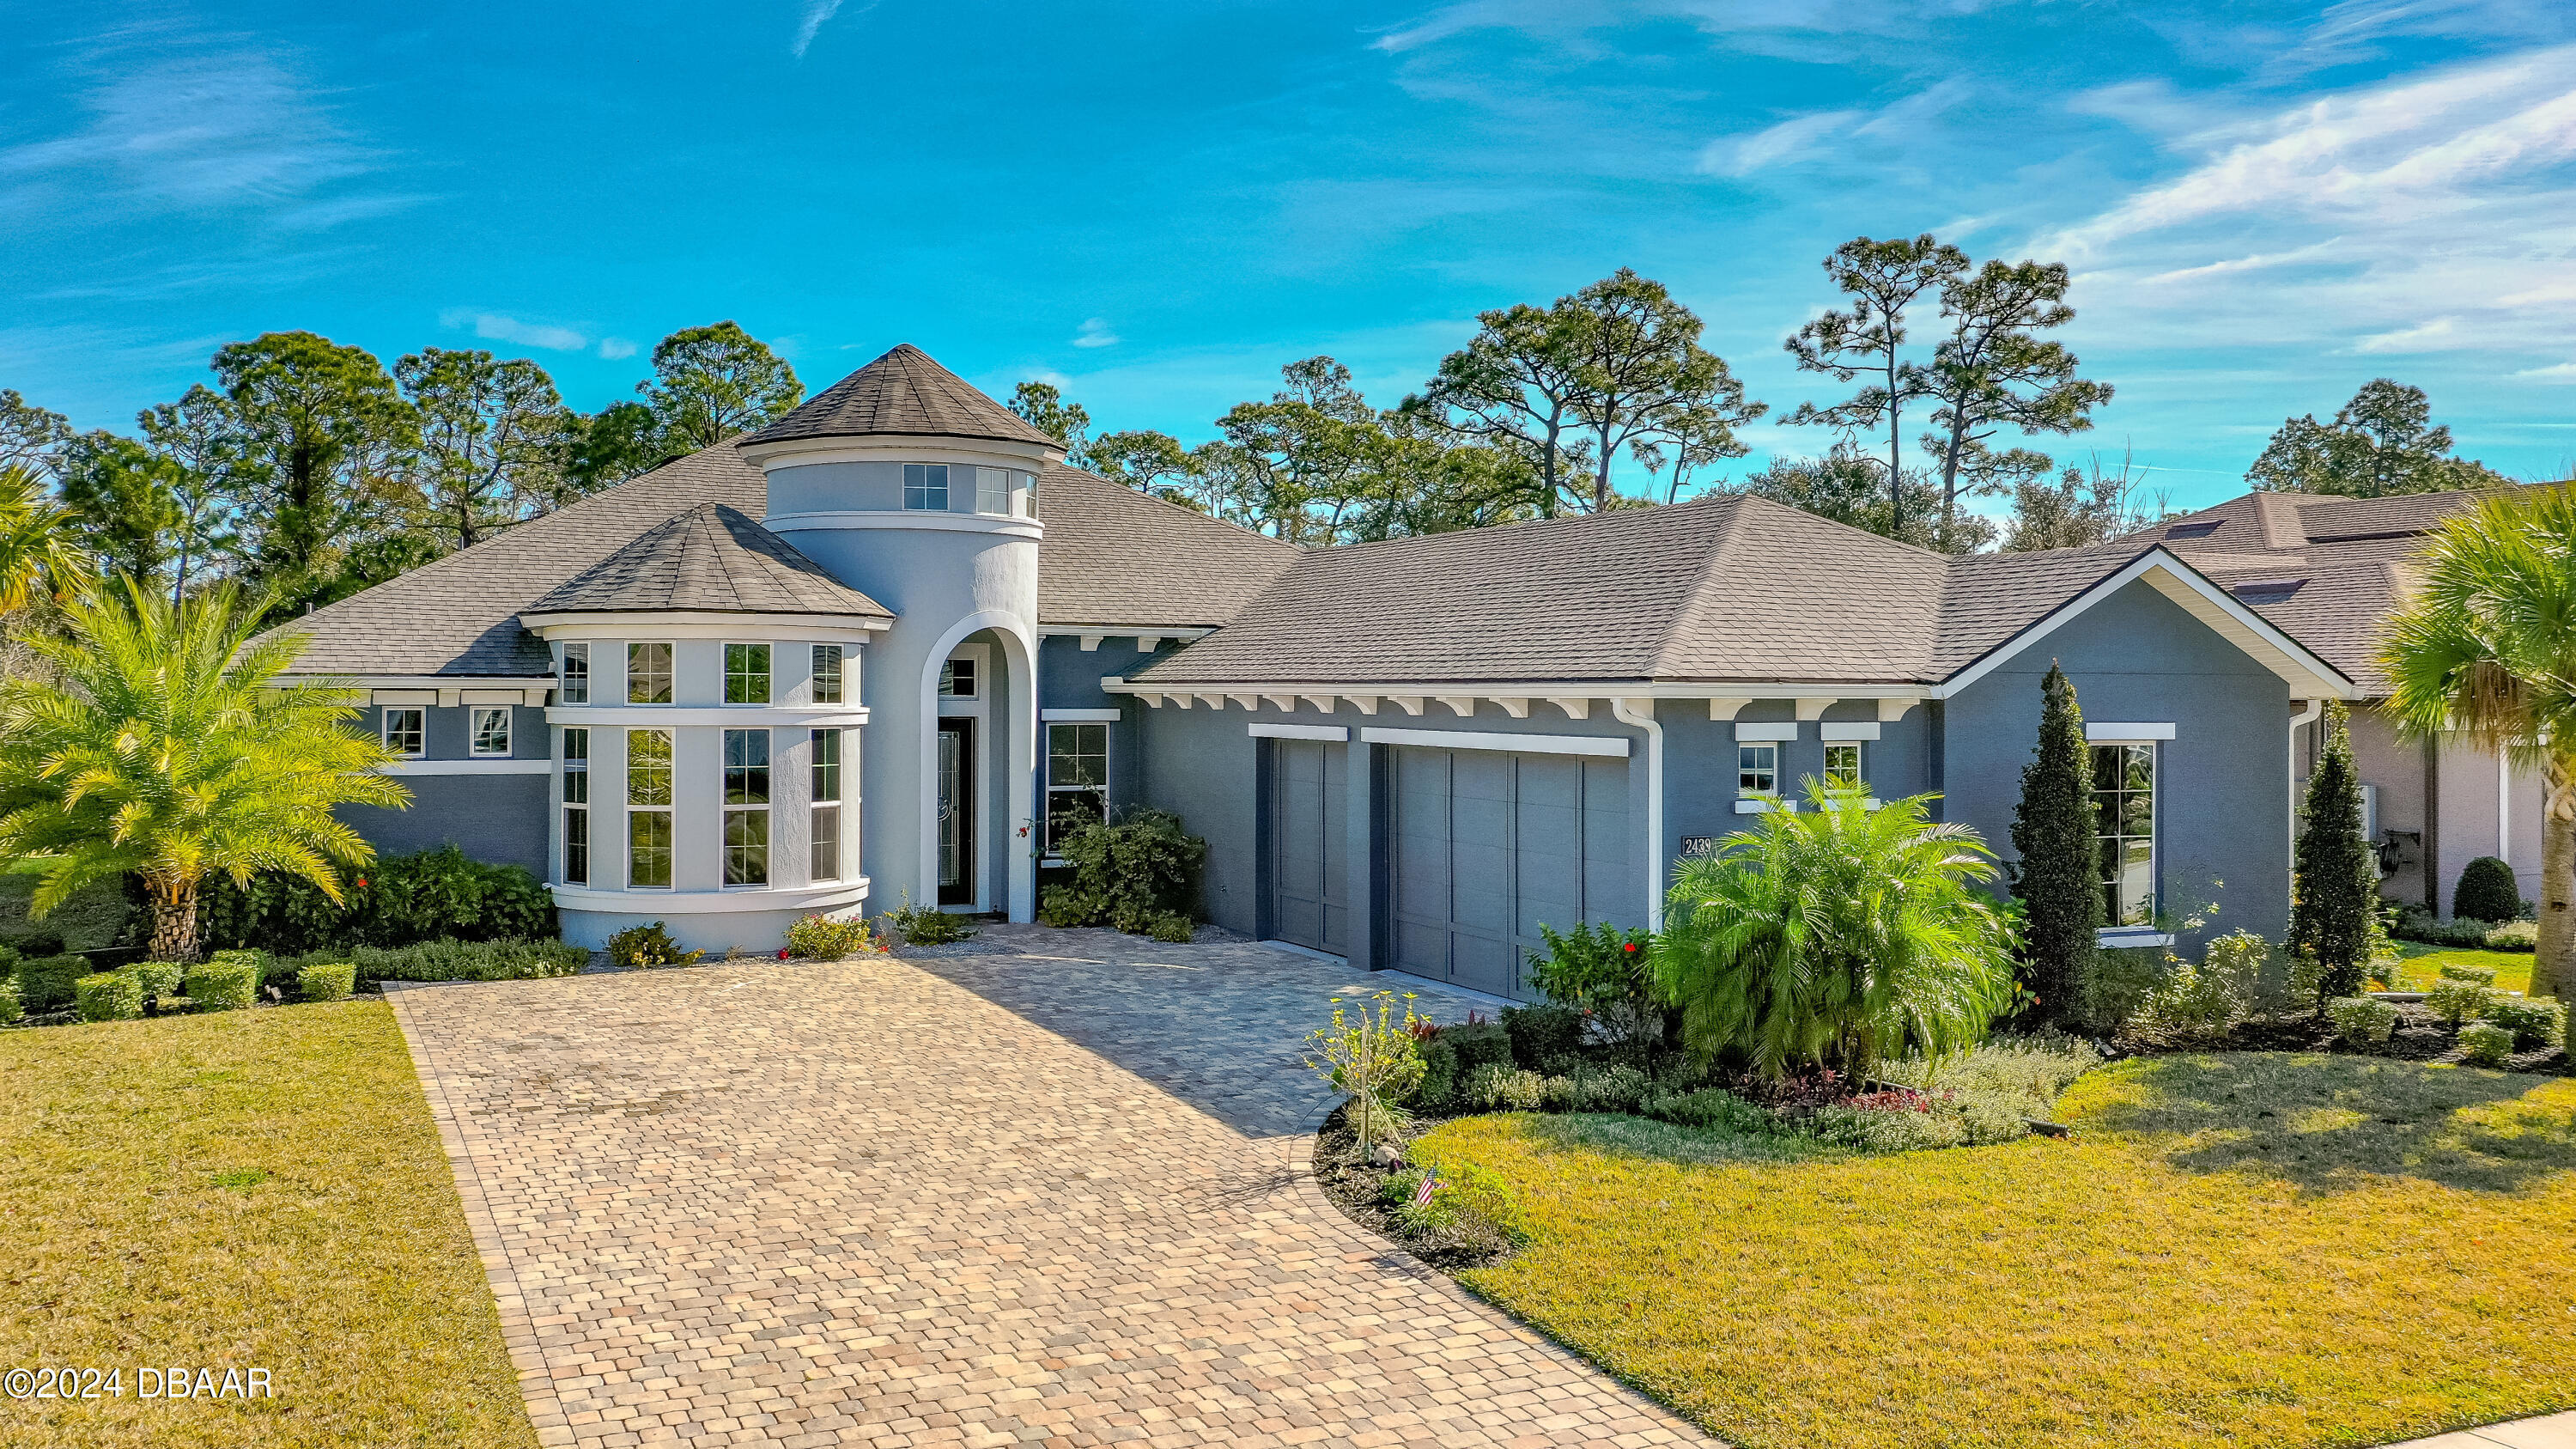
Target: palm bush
(165,746)
(1837,937)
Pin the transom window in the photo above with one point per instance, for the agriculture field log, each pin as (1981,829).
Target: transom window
(925,485)
(648,674)
(957,679)
(648,807)
(827,804)
(2124,816)
(827,674)
(1077,779)
(1757,771)
(746,800)
(491,729)
(406,732)
(574,677)
(1842,767)
(576,802)
(746,674)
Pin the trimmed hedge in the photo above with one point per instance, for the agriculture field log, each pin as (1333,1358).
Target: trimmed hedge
(223,985)
(45,982)
(2486,1044)
(2531,1022)
(453,961)
(2362,1020)
(328,980)
(160,978)
(2487,891)
(108,996)
(406,900)
(12,1011)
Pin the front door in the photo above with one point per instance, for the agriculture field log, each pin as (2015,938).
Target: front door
(956,812)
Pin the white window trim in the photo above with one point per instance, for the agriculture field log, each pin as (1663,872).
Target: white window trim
(385,730)
(2126,734)
(2155,824)
(474,731)
(816,804)
(1845,732)
(1616,749)
(1860,769)
(629,810)
(1053,789)
(947,487)
(1759,796)
(564,809)
(1080,716)
(1335,733)
(724,665)
(726,807)
(563,676)
(1780,732)
(626,652)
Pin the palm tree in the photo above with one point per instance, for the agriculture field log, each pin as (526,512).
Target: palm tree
(166,747)
(38,554)
(2486,647)
(1836,936)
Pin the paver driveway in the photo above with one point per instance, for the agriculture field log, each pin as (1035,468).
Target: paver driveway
(1047,1197)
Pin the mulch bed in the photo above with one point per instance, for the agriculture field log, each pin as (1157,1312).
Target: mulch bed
(1353,1184)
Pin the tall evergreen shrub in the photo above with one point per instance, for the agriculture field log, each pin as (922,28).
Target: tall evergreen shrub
(2061,875)
(2336,893)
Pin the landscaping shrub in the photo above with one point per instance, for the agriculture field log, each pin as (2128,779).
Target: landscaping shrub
(1132,874)
(1478,1044)
(2487,891)
(223,985)
(328,980)
(29,945)
(1541,1034)
(1901,1123)
(1439,1085)
(2362,1020)
(2486,1044)
(1370,1054)
(925,925)
(1173,927)
(1615,1088)
(108,996)
(820,938)
(2414,923)
(45,982)
(1496,1087)
(262,965)
(2334,898)
(1838,937)
(2459,1001)
(2115,982)
(1711,1107)
(2011,1078)
(12,1010)
(649,946)
(2198,1005)
(453,961)
(2514,936)
(2480,975)
(2531,1022)
(1606,973)
(1463,1207)
(397,901)
(160,979)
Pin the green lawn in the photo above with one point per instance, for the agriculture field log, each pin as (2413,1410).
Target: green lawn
(2241,1250)
(2421,965)
(251,1189)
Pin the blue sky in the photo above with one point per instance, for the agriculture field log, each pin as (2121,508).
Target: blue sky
(2265,205)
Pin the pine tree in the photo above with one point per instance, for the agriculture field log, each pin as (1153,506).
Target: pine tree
(2336,892)
(2061,876)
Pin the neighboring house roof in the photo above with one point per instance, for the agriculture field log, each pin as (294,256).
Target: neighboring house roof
(1113,555)
(906,393)
(711,559)
(2326,569)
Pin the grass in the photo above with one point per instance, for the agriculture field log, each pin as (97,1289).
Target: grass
(2420,965)
(255,1188)
(2243,1250)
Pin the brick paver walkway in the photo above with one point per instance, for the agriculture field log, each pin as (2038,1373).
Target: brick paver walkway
(1048,1197)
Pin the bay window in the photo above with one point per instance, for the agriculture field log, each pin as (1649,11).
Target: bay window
(648,808)
(746,807)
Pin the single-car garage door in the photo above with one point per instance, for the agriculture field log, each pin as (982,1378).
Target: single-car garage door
(1489,846)
(1308,794)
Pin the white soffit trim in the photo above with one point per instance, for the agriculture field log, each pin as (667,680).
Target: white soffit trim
(1840,731)
(404,696)
(1335,733)
(1080,716)
(2167,574)
(1517,744)
(1777,731)
(470,767)
(2121,734)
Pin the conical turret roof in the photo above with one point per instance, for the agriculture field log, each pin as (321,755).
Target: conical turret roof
(903,393)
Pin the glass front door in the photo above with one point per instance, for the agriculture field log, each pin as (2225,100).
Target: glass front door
(956,812)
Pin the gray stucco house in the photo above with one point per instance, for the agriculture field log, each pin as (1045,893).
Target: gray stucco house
(887,647)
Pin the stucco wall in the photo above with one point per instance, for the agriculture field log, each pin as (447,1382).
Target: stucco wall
(1700,760)
(1069,678)
(2222,807)
(496,818)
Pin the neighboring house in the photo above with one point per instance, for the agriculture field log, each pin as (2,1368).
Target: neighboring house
(2328,570)
(889,647)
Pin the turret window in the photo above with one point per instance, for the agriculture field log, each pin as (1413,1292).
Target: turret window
(925,486)
(827,674)
(746,674)
(648,674)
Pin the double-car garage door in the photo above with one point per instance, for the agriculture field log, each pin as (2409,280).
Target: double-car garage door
(1483,847)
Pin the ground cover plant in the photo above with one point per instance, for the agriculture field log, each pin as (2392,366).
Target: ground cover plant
(252,1189)
(2154,1280)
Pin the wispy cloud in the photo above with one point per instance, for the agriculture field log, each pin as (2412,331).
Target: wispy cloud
(2555,372)
(817,14)
(2437,335)
(225,129)
(1095,333)
(1808,137)
(614,348)
(495,327)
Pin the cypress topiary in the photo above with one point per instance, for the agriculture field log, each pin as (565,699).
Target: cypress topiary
(2336,892)
(2061,873)
(2487,892)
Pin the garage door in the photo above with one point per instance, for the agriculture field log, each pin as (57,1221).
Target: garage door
(1308,847)
(1489,846)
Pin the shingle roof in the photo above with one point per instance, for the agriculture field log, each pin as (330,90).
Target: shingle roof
(1721,590)
(711,559)
(1115,556)
(1111,555)
(903,392)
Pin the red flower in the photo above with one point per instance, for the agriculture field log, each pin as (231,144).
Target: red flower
(362,882)
(782,953)
(1631,946)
